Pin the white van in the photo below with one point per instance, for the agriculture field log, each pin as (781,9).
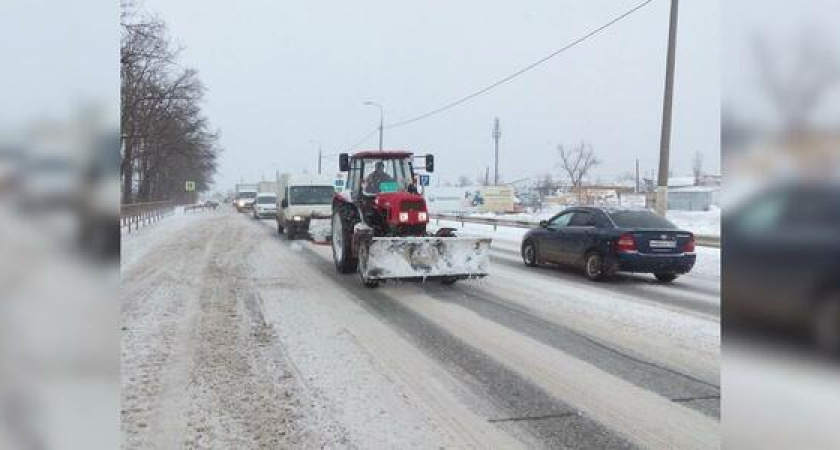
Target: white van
(265,205)
(301,199)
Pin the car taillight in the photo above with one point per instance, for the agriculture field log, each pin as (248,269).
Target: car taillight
(403,217)
(422,216)
(689,246)
(626,244)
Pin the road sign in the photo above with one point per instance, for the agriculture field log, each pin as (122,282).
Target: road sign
(424,180)
(190,186)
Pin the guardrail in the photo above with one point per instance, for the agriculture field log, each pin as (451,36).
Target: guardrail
(200,207)
(138,214)
(700,239)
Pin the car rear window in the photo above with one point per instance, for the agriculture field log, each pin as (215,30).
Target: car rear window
(640,219)
(266,200)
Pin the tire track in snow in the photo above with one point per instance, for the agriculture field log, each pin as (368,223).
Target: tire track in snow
(516,401)
(685,427)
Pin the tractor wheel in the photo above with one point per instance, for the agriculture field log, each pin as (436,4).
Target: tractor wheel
(342,241)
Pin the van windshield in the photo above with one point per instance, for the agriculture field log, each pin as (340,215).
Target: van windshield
(311,195)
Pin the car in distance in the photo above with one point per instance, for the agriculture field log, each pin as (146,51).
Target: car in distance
(603,241)
(265,205)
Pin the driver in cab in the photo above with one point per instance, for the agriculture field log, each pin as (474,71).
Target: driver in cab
(376,177)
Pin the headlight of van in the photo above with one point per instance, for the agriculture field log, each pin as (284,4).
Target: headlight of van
(297,218)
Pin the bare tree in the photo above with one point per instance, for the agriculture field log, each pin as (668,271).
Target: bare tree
(463,181)
(577,162)
(166,138)
(697,167)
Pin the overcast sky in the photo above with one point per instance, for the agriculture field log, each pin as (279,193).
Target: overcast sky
(282,73)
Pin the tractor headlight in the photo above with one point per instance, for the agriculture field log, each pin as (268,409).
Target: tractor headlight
(403,217)
(422,216)
(297,218)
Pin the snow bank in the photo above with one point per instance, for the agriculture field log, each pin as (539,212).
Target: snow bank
(698,222)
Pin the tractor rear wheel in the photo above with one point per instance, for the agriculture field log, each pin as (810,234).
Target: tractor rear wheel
(342,241)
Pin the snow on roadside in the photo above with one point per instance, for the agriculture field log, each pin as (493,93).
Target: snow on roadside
(698,222)
(200,367)
(138,243)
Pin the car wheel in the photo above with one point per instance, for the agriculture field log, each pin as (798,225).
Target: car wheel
(448,281)
(665,277)
(529,253)
(593,266)
(341,242)
(825,326)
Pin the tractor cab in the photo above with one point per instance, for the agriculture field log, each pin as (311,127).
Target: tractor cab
(384,186)
(380,172)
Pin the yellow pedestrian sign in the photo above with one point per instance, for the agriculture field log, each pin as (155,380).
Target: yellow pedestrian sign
(190,186)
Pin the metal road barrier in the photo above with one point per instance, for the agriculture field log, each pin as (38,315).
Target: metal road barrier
(199,207)
(138,214)
(700,239)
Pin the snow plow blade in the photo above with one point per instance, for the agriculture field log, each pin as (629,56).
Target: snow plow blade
(389,258)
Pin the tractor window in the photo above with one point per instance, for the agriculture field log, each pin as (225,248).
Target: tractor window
(386,175)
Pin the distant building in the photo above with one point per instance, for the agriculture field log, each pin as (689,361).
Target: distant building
(683,195)
(692,198)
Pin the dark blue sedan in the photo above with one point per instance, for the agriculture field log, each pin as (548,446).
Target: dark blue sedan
(603,241)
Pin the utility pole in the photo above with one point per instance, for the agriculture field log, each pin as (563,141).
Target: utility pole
(381,120)
(381,125)
(497,134)
(665,139)
(637,176)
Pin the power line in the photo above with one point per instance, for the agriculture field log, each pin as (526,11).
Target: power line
(362,140)
(524,69)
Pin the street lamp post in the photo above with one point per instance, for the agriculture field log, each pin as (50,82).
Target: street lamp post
(381,121)
(315,141)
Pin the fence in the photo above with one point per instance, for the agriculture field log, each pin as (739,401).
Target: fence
(200,207)
(138,214)
(495,222)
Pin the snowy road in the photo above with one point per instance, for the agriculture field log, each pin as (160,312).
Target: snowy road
(237,338)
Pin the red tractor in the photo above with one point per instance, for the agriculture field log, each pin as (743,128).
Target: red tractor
(379,225)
